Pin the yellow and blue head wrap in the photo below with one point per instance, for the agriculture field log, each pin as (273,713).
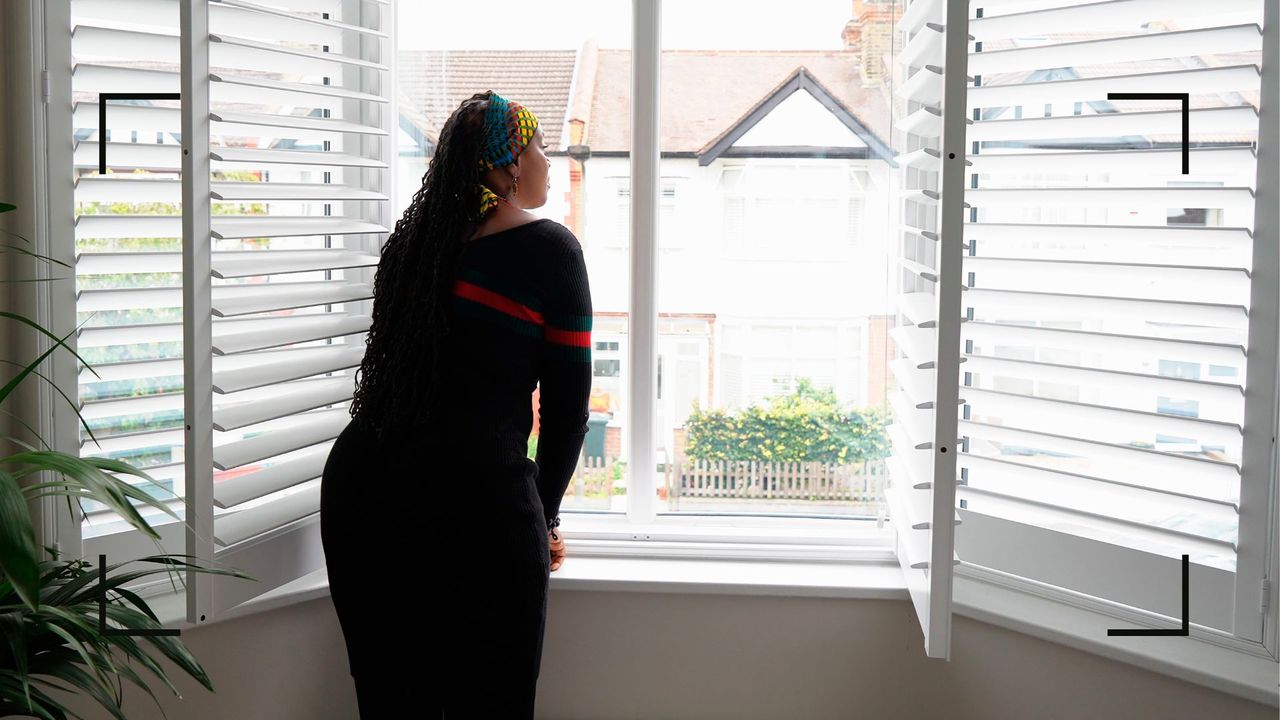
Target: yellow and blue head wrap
(508,130)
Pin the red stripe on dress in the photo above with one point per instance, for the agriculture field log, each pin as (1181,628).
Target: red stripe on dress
(471,291)
(577,338)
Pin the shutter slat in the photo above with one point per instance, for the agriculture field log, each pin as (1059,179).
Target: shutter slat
(913,461)
(291,157)
(1214,394)
(315,29)
(309,429)
(128,226)
(1102,16)
(1156,162)
(131,370)
(1233,246)
(295,121)
(918,384)
(1122,501)
(306,465)
(295,397)
(915,422)
(249,226)
(128,298)
(127,118)
(1099,422)
(92,41)
(1090,525)
(1172,282)
(1190,475)
(920,308)
(1074,305)
(128,189)
(1209,353)
(281,56)
(284,92)
(916,14)
(128,156)
(267,191)
(230,300)
(917,343)
(924,47)
(231,337)
(275,262)
(1193,81)
(234,527)
(918,269)
(1110,125)
(1231,198)
(226,264)
(1182,43)
(108,447)
(128,334)
(257,370)
(925,86)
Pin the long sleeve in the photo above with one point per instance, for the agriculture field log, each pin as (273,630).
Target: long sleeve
(564,376)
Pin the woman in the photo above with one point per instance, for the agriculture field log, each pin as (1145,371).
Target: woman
(439,532)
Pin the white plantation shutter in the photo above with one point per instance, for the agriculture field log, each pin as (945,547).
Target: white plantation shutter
(1106,347)
(128,260)
(929,116)
(286,116)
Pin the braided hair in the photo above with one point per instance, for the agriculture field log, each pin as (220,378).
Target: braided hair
(397,381)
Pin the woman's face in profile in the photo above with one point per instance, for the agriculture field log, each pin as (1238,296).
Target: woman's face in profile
(534,168)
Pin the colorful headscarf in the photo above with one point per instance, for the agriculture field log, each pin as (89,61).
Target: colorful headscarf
(508,129)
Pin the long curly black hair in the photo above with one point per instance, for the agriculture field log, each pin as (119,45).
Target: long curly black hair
(396,383)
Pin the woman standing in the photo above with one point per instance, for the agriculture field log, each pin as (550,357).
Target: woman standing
(439,532)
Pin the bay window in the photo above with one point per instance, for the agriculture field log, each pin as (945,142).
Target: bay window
(935,274)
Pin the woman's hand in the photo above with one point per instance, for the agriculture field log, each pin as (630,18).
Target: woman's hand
(555,541)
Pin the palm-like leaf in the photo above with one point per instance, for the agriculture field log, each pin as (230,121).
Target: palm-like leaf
(50,633)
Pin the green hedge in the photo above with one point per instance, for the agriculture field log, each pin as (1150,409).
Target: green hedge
(806,425)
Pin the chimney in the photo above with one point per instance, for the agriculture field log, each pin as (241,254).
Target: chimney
(870,33)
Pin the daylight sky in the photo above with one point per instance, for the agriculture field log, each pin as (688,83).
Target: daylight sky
(564,24)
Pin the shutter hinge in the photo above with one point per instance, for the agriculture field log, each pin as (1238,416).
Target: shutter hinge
(44,84)
(1266,595)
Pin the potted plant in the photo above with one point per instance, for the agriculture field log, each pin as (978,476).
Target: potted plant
(50,637)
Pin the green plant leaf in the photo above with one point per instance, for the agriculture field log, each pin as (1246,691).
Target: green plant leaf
(106,489)
(37,256)
(60,341)
(18,542)
(11,626)
(6,207)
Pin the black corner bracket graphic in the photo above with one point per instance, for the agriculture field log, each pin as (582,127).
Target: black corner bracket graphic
(1185,630)
(1186,118)
(102,611)
(102,118)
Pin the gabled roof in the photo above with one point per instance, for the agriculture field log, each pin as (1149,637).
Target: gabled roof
(711,95)
(435,82)
(800,79)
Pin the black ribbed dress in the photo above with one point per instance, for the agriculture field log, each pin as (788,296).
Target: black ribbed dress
(439,565)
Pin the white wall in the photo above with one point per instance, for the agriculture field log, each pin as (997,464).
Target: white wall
(640,655)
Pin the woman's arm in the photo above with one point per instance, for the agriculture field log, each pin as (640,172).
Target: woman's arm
(565,376)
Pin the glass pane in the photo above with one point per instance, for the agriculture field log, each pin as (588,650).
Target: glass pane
(772,295)
(576,78)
